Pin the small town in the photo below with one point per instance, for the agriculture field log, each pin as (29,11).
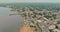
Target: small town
(39,20)
(29,15)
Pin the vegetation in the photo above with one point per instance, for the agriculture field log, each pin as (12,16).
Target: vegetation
(58,22)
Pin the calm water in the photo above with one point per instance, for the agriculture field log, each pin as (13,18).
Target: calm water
(9,23)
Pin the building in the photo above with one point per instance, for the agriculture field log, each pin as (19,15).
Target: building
(56,30)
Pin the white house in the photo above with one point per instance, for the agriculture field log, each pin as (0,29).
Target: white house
(56,30)
(52,27)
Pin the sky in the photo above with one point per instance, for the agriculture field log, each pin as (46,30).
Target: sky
(11,1)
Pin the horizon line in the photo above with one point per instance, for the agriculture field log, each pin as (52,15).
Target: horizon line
(34,2)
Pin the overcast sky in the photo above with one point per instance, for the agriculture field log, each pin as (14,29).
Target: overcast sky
(10,1)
